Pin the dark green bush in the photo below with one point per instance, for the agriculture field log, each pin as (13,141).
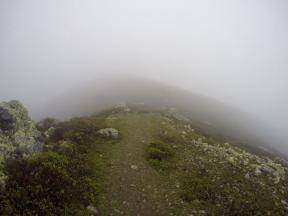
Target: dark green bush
(61,181)
(159,151)
(160,155)
(77,129)
(39,185)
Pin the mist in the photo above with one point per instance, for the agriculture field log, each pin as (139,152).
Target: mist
(64,58)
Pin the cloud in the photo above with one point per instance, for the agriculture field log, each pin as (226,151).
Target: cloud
(234,51)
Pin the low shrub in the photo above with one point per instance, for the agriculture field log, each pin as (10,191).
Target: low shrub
(59,181)
(160,155)
(37,185)
(159,151)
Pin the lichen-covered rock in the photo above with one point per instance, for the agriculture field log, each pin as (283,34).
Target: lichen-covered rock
(109,132)
(18,133)
(245,160)
(122,107)
(172,112)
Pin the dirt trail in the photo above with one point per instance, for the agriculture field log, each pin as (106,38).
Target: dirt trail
(134,188)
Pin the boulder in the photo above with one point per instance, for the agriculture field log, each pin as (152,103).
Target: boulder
(18,134)
(109,132)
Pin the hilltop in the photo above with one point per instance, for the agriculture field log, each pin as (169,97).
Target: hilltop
(138,161)
(207,113)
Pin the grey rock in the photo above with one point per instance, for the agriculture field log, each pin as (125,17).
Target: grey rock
(6,119)
(109,132)
(134,167)
(93,210)
(18,134)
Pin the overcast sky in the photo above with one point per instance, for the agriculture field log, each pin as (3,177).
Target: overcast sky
(233,50)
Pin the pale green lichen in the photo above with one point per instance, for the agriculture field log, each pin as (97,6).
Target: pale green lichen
(245,160)
(18,133)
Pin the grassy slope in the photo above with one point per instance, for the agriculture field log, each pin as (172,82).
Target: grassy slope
(216,178)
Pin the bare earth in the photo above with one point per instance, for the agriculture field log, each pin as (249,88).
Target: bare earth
(133,187)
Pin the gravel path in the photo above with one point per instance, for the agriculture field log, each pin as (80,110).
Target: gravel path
(133,187)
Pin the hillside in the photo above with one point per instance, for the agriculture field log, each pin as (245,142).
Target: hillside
(140,162)
(207,113)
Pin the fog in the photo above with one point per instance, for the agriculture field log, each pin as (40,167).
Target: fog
(233,52)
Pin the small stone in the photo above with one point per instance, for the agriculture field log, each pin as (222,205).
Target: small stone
(257,171)
(247,176)
(231,160)
(277,179)
(92,210)
(134,167)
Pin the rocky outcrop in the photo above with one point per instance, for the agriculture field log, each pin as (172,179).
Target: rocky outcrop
(244,160)
(122,107)
(18,134)
(172,112)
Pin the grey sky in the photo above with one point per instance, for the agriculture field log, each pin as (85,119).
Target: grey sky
(233,50)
